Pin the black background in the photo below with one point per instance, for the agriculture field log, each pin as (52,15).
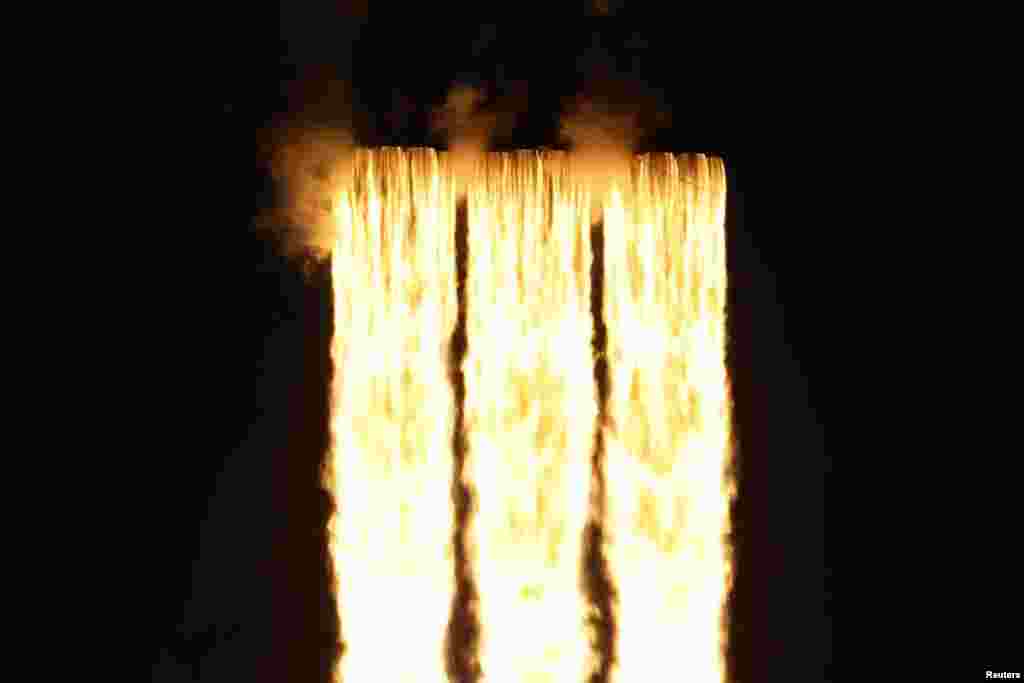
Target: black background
(246,583)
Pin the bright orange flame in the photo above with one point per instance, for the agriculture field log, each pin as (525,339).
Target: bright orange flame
(392,415)
(530,413)
(667,450)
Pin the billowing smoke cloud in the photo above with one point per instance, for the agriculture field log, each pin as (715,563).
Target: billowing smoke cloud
(308,155)
(602,141)
(308,165)
(462,118)
(469,121)
(608,122)
(466,127)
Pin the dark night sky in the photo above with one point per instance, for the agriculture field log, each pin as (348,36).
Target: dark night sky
(246,595)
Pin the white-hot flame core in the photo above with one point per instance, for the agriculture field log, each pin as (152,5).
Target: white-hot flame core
(393,414)
(668,444)
(530,411)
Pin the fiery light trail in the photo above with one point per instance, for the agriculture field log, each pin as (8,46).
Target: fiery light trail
(668,445)
(392,415)
(530,410)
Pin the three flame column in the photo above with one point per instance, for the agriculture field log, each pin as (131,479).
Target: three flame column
(529,415)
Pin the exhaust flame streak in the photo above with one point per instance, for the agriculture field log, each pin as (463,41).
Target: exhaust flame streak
(666,457)
(530,406)
(392,415)
(530,409)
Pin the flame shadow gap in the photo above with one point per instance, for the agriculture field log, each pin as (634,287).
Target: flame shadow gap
(463,628)
(596,575)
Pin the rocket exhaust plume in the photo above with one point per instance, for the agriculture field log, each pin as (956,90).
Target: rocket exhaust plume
(653,504)
(392,415)
(530,407)
(668,442)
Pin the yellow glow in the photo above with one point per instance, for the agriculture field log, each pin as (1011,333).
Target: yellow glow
(668,447)
(530,411)
(392,416)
